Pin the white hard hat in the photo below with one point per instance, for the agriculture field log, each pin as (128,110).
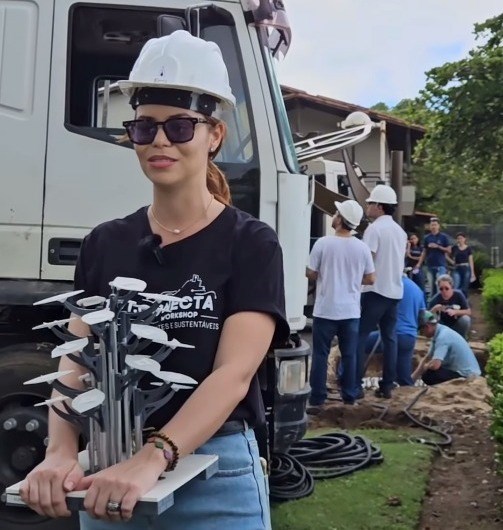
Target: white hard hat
(383,195)
(350,211)
(181,62)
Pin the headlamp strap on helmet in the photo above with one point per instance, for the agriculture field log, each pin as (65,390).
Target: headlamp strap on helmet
(203,103)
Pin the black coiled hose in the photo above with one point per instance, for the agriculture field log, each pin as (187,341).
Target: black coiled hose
(289,479)
(445,438)
(327,456)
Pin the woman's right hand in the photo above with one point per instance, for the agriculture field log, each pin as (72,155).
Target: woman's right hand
(44,489)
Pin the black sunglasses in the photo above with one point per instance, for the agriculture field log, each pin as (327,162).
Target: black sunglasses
(177,130)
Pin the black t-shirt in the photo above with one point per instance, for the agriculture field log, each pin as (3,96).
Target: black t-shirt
(457,298)
(461,256)
(415,252)
(232,265)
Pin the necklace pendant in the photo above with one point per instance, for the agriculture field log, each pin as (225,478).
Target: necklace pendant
(176,231)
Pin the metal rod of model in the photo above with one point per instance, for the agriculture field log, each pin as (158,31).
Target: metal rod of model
(112,399)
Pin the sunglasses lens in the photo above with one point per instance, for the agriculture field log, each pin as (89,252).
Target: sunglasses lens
(179,130)
(142,132)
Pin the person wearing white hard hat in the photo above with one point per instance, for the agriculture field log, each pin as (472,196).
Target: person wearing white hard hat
(387,242)
(339,264)
(226,267)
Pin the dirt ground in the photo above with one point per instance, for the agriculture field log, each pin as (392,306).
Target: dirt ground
(465,490)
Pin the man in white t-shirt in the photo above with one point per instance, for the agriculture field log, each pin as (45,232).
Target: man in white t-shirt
(387,242)
(339,264)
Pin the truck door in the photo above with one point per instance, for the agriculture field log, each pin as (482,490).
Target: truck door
(25,60)
(91,178)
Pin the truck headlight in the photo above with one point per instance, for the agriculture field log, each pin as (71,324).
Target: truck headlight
(291,376)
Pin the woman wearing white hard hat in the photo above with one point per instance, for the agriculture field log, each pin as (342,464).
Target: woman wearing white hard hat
(227,267)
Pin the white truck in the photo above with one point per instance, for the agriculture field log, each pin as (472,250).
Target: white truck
(62,172)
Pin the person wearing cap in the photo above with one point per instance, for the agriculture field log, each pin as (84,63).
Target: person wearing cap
(227,268)
(387,242)
(449,356)
(452,307)
(436,248)
(339,264)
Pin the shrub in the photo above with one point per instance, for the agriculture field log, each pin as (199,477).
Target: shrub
(492,299)
(494,371)
(481,262)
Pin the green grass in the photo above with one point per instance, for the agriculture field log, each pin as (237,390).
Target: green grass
(360,501)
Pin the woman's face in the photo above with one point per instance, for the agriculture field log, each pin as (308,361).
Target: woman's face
(461,240)
(413,240)
(445,289)
(176,164)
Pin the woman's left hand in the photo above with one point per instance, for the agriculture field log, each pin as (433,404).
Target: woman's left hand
(123,483)
(472,278)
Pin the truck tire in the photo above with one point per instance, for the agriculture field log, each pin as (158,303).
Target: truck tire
(23,429)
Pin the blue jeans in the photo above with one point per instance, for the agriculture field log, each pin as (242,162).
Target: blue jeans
(324,330)
(418,279)
(405,352)
(379,311)
(462,274)
(434,273)
(236,497)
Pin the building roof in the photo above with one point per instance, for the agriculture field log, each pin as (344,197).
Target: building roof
(292,94)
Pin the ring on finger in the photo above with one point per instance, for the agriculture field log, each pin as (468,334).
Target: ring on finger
(113,507)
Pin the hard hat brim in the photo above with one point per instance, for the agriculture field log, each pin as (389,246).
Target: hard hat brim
(127,88)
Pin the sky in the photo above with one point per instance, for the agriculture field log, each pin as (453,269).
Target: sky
(368,51)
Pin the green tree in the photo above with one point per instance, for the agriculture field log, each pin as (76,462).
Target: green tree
(459,162)
(460,159)
(380,107)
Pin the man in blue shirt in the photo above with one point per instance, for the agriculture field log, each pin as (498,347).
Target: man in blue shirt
(436,247)
(409,308)
(449,357)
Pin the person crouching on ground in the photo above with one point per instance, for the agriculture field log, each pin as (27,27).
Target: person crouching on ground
(339,264)
(449,356)
(452,306)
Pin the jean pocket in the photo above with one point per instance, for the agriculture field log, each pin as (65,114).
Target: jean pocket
(236,472)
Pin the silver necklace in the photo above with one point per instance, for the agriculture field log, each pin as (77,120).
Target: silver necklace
(178,231)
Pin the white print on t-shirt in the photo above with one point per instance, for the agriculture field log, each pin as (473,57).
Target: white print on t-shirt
(195,307)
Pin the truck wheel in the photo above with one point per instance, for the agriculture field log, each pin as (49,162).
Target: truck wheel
(23,428)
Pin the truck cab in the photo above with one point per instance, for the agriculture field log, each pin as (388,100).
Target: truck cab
(63,172)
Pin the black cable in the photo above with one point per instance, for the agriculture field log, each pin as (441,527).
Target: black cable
(288,479)
(327,456)
(446,438)
(335,454)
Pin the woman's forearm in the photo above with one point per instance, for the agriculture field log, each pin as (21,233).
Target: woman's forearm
(63,436)
(207,409)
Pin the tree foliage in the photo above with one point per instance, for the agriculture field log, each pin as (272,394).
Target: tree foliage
(459,162)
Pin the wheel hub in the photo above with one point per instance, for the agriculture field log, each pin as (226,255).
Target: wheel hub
(23,430)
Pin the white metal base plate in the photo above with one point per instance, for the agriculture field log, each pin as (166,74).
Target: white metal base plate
(158,499)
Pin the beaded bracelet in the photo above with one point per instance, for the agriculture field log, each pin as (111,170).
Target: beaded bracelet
(175,455)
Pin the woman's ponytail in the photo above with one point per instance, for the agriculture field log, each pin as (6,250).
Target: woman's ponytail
(217,184)
(215,178)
